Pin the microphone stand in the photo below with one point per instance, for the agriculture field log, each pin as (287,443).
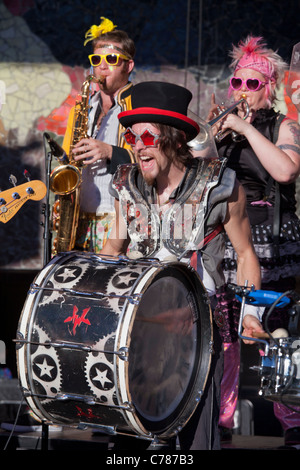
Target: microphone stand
(46,255)
(47,236)
(58,152)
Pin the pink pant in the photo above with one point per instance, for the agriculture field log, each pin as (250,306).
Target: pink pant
(287,418)
(230,384)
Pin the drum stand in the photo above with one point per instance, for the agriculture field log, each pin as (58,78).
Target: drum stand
(45,436)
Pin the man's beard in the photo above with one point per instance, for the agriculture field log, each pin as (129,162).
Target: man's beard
(150,180)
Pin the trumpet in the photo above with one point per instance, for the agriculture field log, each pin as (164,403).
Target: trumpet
(205,139)
(220,135)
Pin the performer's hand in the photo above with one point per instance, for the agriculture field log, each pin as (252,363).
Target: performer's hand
(91,150)
(251,326)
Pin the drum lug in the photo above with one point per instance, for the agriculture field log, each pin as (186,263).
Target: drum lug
(157,442)
(123,353)
(134,299)
(19,340)
(128,406)
(199,396)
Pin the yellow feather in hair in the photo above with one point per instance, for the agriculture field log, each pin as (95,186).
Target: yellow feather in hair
(95,31)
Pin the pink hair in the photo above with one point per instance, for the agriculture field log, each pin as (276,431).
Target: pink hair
(253,53)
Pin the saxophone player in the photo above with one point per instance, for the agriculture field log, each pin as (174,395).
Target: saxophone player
(112,61)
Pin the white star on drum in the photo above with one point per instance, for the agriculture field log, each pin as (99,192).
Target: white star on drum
(101,377)
(68,274)
(45,368)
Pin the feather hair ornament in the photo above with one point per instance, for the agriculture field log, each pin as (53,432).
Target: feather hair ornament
(95,31)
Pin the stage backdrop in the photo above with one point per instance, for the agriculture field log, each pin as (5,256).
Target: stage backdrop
(43,63)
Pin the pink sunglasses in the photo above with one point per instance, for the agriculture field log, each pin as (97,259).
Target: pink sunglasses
(252,84)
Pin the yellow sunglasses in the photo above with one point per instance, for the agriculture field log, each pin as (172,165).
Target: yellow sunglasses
(110,59)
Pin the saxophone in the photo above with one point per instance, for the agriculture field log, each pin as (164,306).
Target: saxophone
(65,179)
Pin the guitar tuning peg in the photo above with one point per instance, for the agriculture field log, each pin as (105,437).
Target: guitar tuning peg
(13,180)
(27,175)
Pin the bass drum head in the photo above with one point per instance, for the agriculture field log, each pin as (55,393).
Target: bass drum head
(170,349)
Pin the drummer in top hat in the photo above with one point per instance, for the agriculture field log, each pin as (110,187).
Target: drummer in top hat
(167,189)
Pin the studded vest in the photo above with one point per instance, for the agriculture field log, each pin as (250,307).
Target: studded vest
(198,208)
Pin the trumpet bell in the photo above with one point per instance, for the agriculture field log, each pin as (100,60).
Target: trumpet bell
(201,140)
(204,143)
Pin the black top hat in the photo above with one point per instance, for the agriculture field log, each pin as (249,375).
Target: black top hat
(163,103)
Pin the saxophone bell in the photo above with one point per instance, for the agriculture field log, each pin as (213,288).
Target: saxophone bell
(65,179)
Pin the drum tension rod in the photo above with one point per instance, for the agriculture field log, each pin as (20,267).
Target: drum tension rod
(89,400)
(121,259)
(122,353)
(133,299)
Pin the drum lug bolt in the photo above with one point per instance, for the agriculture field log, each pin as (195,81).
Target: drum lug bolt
(123,353)
(19,341)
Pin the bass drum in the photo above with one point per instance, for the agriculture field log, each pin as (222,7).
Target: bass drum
(121,345)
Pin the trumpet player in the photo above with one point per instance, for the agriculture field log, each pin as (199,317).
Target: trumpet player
(111,61)
(266,159)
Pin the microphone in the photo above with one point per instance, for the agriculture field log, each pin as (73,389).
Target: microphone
(56,150)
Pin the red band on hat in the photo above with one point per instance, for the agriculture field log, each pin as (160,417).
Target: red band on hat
(159,112)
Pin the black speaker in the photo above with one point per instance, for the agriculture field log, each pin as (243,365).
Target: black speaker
(10,399)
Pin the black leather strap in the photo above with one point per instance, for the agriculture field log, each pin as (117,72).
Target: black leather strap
(271,181)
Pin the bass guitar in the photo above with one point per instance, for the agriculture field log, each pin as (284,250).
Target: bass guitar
(14,198)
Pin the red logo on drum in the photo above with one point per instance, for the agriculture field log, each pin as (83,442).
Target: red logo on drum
(78,320)
(88,415)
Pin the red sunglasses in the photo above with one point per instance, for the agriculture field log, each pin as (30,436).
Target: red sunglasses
(252,84)
(148,137)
